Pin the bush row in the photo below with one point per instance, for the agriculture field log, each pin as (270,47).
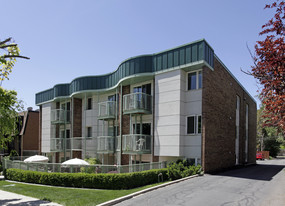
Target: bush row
(175,170)
(83,180)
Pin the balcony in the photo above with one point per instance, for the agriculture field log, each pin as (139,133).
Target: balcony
(60,116)
(56,144)
(136,144)
(139,103)
(61,144)
(107,110)
(106,144)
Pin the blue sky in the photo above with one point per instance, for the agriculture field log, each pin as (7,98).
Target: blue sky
(67,39)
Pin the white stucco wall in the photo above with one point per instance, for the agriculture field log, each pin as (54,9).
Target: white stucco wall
(173,103)
(46,127)
(167,114)
(191,105)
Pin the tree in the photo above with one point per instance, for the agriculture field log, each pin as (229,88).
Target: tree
(7,60)
(269,67)
(9,107)
(9,104)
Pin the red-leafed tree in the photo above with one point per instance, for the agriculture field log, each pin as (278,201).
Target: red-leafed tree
(269,67)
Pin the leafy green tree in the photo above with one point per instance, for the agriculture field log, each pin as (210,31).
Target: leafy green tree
(8,56)
(9,103)
(9,108)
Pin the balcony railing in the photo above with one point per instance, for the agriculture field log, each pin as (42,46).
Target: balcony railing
(137,103)
(75,143)
(106,144)
(60,116)
(56,144)
(107,110)
(136,144)
(118,143)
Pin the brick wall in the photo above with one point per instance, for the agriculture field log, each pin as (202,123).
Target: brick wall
(31,135)
(77,154)
(125,126)
(219,120)
(40,130)
(77,117)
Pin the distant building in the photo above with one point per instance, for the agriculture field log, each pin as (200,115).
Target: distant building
(26,142)
(178,103)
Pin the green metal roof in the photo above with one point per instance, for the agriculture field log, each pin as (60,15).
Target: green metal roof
(182,55)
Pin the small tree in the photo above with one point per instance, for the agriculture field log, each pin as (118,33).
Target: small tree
(9,104)
(9,107)
(269,67)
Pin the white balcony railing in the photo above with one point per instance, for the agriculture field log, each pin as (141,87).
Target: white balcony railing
(56,144)
(106,144)
(136,143)
(60,116)
(107,110)
(75,143)
(137,103)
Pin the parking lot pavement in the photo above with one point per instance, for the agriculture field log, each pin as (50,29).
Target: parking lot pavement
(9,198)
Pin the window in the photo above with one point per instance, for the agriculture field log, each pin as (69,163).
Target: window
(144,89)
(89,103)
(195,80)
(146,128)
(112,98)
(194,124)
(89,131)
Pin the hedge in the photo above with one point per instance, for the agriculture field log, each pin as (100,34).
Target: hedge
(83,180)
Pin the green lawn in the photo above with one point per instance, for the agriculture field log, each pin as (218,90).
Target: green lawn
(67,196)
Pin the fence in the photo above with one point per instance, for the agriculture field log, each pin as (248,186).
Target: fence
(58,167)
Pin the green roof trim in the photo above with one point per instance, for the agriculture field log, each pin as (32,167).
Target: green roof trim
(178,56)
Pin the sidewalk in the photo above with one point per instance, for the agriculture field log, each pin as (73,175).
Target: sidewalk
(9,198)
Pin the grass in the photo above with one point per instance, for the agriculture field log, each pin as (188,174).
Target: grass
(67,196)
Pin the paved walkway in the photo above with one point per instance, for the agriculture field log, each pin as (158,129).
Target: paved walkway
(9,198)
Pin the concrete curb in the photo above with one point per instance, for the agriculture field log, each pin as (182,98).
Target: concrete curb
(120,199)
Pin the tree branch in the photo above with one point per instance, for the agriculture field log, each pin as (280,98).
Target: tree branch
(5,46)
(15,56)
(5,41)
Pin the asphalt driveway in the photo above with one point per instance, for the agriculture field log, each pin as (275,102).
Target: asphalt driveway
(262,184)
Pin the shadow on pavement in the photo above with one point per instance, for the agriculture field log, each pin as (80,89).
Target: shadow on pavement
(23,203)
(256,172)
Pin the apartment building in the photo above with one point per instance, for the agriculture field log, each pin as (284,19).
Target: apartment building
(178,103)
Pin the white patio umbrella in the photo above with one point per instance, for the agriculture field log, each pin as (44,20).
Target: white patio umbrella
(36,158)
(75,161)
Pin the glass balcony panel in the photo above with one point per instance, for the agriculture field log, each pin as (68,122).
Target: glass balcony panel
(60,116)
(107,110)
(118,143)
(56,144)
(105,144)
(137,103)
(136,144)
(74,143)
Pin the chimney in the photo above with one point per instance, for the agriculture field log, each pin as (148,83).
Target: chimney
(30,108)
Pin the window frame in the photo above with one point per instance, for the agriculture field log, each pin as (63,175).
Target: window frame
(198,81)
(88,133)
(89,104)
(197,122)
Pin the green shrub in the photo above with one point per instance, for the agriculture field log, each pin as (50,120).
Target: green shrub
(91,161)
(181,168)
(83,180)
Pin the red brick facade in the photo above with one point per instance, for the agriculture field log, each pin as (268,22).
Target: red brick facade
(77,117)
(125,126)
(219,98)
